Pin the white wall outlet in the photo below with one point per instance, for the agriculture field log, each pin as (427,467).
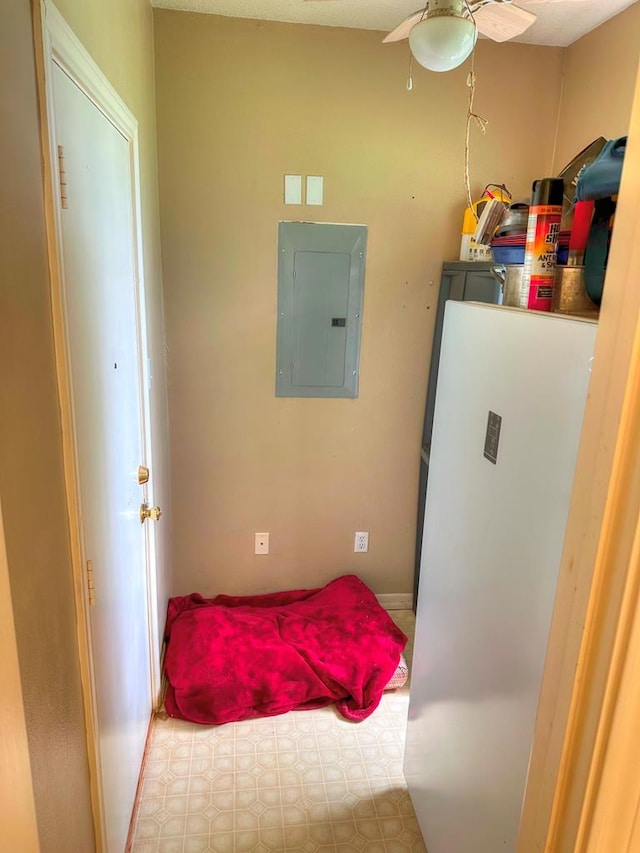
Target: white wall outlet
(262,543)
(361,543)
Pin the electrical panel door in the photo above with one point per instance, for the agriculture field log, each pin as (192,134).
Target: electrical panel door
(320,293)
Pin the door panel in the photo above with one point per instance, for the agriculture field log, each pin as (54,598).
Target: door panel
(320,293)
(98,251)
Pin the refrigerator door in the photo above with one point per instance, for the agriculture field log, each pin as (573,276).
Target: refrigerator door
(496,511)
(470,282)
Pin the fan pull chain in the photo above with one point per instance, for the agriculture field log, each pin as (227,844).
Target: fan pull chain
(479,121)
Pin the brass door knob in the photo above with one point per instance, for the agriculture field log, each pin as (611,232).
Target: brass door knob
(147,511)
(143,475)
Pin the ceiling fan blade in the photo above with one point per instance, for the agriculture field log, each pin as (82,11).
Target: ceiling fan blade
(402,30)
(497,21)
(501,21)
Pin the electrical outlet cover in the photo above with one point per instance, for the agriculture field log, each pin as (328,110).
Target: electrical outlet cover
(262,543)
(361,542)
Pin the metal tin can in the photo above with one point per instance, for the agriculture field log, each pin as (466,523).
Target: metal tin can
(569,294)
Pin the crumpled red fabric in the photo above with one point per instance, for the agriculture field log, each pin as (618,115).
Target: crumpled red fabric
(233,658)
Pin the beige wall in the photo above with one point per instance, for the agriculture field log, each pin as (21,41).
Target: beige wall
(241,103)
(598,87)
(31,475)
(119,34)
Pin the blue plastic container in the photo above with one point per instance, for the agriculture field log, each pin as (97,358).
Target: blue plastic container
(508,254)
(515,254)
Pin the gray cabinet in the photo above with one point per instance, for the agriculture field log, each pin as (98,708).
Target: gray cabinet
(466,282)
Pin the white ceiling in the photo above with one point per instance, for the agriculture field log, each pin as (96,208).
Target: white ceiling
(560,22)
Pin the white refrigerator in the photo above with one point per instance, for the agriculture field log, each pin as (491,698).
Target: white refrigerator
(512,386)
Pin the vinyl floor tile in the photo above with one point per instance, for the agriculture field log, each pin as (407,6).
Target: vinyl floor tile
(304,782)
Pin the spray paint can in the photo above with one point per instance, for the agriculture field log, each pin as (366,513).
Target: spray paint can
(540,256)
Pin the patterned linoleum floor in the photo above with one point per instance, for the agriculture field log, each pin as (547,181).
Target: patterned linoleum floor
(306,781)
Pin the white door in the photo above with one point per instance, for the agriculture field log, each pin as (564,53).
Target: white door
(103,330)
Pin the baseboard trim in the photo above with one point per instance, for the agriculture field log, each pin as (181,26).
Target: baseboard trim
(136,802)
(396,600)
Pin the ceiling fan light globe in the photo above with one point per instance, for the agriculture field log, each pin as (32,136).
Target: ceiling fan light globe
(443,43)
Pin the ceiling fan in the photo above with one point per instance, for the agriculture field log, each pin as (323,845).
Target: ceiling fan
(443,34)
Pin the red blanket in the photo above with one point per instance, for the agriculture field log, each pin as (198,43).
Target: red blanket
(236,658)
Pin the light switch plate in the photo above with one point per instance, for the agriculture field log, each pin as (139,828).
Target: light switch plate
(293,189)
(315,189)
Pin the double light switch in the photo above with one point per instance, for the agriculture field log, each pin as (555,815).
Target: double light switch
(293,189)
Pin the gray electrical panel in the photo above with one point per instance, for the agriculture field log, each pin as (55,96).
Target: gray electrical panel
(320,293)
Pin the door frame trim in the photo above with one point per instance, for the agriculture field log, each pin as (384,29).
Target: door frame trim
(56,42)
(17,810)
